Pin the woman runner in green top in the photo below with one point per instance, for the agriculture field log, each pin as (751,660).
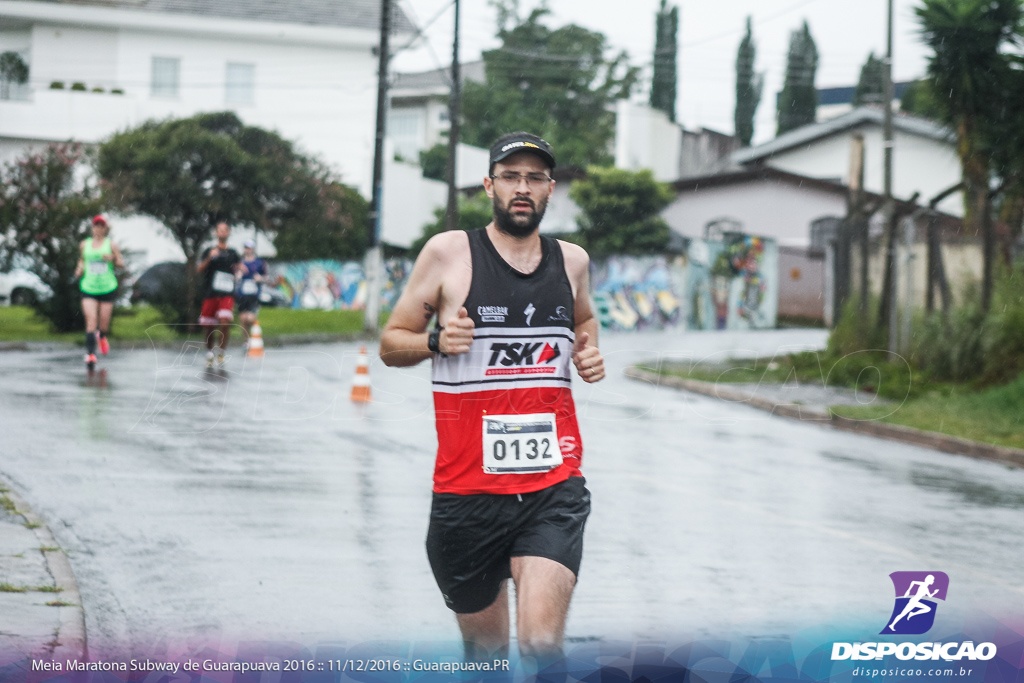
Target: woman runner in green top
(96,264)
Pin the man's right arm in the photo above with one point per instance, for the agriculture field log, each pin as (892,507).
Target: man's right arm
(204,261)
(404,340)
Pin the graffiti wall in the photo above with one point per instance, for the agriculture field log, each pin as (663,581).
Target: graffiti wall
(730,283)
(335,285)
(716,284)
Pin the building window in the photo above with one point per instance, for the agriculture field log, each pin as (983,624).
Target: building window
(165,77)
(405,128)
(240,84)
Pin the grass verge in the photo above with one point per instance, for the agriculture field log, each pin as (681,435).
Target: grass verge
(993,415)
(142,323)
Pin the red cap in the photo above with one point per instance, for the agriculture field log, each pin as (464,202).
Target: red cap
(99,219)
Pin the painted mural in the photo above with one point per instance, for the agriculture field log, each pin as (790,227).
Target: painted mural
(716,284)
(335,285)
(730,283)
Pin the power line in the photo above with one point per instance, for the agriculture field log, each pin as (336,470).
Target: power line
(758,23)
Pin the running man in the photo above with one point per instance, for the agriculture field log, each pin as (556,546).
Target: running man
(218,264)
(253,271)
(97,257)
(914,606)
(509,498)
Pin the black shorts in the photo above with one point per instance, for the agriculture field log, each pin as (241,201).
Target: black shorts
(248,304)
(472,538)
(108,298)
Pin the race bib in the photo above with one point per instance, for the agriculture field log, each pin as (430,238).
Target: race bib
(98,267)
(250,287)
(223,282)
(520,444)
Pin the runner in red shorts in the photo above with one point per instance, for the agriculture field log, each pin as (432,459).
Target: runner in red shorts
(218,265)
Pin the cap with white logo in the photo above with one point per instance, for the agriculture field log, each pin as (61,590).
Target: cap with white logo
(513,143)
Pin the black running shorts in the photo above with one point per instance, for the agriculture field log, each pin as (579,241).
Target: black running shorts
(108,298)
(472,538)
(248,304)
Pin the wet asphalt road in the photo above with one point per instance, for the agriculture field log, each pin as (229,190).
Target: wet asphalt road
(261,503)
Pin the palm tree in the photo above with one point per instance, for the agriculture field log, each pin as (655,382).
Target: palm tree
(968,72)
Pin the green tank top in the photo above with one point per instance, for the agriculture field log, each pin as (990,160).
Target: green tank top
(99,275)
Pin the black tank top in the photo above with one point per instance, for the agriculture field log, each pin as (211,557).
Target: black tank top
(518,365)
(542,298)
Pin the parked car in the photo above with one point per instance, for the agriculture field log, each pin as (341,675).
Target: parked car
(164,284)
(20,287)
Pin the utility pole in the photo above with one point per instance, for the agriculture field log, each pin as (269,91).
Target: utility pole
(890,208)
(451,216)
(374,263)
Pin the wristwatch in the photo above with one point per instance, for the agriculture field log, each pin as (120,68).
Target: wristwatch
(434,340)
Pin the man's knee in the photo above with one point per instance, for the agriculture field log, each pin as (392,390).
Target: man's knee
(542,644)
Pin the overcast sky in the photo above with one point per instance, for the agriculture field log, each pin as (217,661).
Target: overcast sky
(709,33)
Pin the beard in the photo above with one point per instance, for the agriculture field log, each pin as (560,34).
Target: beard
(518,225)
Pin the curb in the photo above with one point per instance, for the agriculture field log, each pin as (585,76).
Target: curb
(276,341)
(71,638)
(918,437)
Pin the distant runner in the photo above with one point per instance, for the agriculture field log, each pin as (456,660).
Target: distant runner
(509,498)
(218,264)
(253,272)
(97,257)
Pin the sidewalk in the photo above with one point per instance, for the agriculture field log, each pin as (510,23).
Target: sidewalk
(811,404)
(40,607)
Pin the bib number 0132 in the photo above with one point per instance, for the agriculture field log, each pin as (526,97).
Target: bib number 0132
(520,444)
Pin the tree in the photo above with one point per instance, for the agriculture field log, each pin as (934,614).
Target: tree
(870,86)
(434,162)
(334,227)
(474,212)
(919,99)
(798,101)
(620,211)
(748,88)
(970,70)
(191,174)
(663,81)
(13,69)
(45,209)
(556,83)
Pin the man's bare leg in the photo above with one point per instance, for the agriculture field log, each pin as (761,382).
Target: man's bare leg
(543,591)
(225,330)
(485,633)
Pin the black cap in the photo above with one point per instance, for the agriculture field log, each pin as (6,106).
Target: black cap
(513,143)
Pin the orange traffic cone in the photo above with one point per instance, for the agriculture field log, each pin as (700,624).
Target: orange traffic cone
(361,382)
(256,341)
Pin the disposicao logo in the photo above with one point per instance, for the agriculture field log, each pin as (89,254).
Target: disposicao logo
(916,593)
(914,614)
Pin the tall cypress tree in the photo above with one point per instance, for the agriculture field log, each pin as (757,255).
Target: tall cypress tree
(870,87)
(748,88)
(663,83)
(798,100)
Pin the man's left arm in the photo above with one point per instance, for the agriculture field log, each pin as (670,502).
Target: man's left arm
(585,354)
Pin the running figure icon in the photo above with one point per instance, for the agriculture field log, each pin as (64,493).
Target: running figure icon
(914,605)
(917,595)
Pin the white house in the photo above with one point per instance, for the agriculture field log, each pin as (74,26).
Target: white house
(763,201)
(304,68)
(418,115)
(924,155)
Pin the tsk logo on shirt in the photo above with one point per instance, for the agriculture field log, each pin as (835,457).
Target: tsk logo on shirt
(916,592)
(522,358)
